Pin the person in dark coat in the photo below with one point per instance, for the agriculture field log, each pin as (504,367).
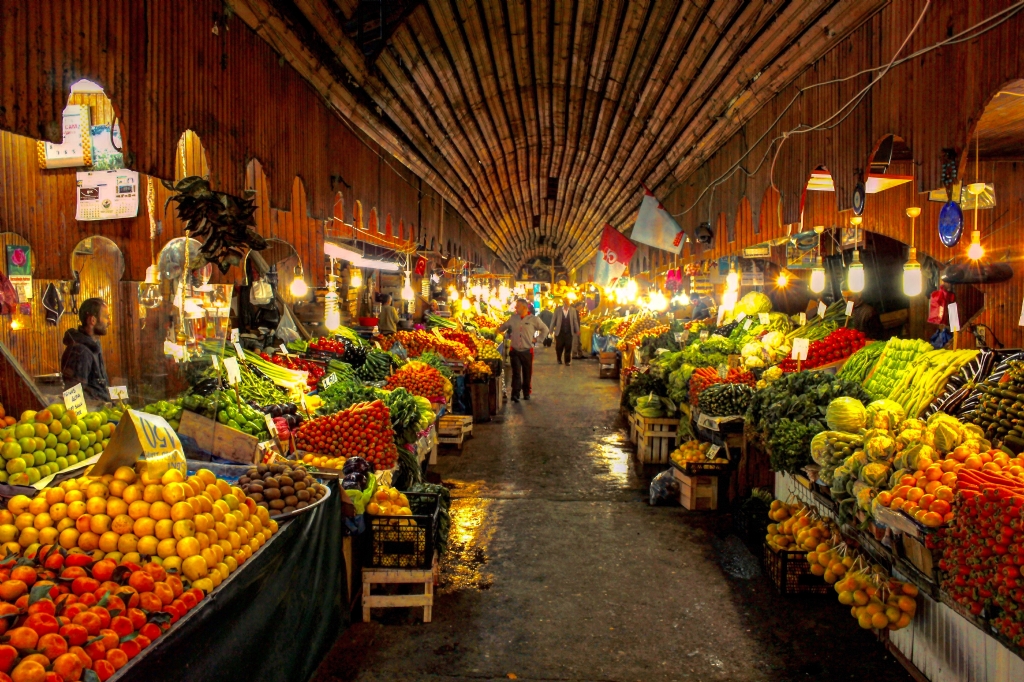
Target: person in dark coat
(82,360)
(565,326)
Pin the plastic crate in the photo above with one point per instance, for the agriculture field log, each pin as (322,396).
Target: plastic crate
(790,572)
(397,545)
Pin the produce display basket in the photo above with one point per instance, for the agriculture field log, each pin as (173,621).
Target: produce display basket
(703,468)
(403,541)
(790,572)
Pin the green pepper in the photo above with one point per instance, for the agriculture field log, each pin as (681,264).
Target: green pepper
(232,412)
(233,424)
(223,417)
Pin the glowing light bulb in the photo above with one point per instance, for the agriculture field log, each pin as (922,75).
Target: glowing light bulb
(818,277)
(630,291)
(503,292)
(357,279)
(333,320)
(912,281)
(453,294)
(299,288)
(732,280)
(407,292)
(782,281)
(975,250)
(332,313)
(657,301)
(465,304)
(856,277)
(684,298)
(729,300)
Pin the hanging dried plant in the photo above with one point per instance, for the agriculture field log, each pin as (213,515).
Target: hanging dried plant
(357,215)
(226,224)
(388,230)
(372,226)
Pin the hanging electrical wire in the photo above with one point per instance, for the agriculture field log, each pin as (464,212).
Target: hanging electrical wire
(973,32)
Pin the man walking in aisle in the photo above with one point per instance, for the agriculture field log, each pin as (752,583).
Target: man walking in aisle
(565,327)
(522,330)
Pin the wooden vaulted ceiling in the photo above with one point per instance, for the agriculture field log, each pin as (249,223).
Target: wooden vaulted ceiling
(539,120)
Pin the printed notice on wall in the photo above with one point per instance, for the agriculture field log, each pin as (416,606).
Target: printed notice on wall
(107,195)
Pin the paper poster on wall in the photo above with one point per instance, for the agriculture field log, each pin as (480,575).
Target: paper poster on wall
(106,195)
(75,149)
(106,147)
(19,270)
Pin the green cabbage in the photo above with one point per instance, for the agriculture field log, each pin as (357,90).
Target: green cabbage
(846,414)
(879,448)
(753,303)
(875,474)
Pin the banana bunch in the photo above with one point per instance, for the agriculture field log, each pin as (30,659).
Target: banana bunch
(926,379)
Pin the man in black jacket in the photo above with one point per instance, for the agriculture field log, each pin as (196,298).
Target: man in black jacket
(82,361)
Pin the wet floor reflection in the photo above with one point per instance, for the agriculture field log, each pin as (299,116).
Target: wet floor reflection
(612,455)
(469,546)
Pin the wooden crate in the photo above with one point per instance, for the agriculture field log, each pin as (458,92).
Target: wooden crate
(219,439)
(480,398)
(631,422)
(390,576)
(655,438)
(918,554)
(697,493)
(496,393)
(607,372)
(452,429)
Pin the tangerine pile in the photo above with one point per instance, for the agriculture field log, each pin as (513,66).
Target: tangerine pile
(419,379)
(62,613)
(323,461)
(201,526)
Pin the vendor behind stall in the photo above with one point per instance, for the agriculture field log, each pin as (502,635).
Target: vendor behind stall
(82,361)
(387,321)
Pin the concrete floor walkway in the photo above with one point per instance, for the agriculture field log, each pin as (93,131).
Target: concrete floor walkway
(558,569)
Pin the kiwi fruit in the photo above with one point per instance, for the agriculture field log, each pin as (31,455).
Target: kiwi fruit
(271,483)
(302,504)
(287,509)
(291,500)
(285,479)
(300,485)
(272,493)
(256,497)
(302,495)
(277,504)
(254,487)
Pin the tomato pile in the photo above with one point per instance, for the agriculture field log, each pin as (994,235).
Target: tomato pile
(840,344)
(983,551)
(418,342)
(315,370)
(61,611)
(706,376)
(460,337)
(419,379)
(363,430)
(325,345)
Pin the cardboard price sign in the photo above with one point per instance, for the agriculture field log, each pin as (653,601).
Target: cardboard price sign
(234,373)
(234,335)
(822,308)
(74,401)
(704,335)
(271,426)
(713,450)
(800,349)
(849,308)
(763,318)
(118,392)
(741,317)
(329,381)
(954,318)
(144,435)
(746,324)
(803,319)
(239,352)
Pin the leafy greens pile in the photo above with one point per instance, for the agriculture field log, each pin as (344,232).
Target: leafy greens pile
(789,412)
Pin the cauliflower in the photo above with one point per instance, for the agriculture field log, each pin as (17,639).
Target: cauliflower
(773,339)
(754,361)
(752,348)
(772,374)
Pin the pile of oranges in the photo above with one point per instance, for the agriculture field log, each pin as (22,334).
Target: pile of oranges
(200,526)
(420,379)
(62,613)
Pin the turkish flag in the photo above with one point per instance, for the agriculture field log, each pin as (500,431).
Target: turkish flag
(613,255)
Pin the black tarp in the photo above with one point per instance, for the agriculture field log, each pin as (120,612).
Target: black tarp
(273,620)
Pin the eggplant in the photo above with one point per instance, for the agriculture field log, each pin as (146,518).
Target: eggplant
(275,411)
(290,408)
(355,465)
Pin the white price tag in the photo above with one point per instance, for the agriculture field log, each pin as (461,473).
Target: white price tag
(763,318)
(746,324)
(802,319)
(706,422)
(234,374)
(679,336)
(118,392)
(329,380)
(271,426)
(954,318)
(74,400)
(741,317)
(721,314)
(713,450)
(1020,322)
(849,308)
(800,349)
(723,371)
(704,335)
(284,350)
(686,335)
(234,335)
(215,360)
(238,350)
(822,308)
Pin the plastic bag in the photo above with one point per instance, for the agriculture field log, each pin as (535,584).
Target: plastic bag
(287,330)
(937,304)
(398,349)
(664,489)
(261,293)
